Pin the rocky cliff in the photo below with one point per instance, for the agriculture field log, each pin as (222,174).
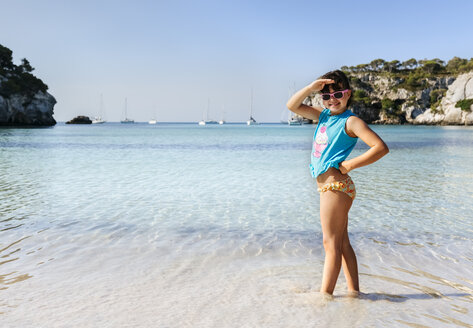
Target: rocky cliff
(26,110)
(24,99)
(449,112)
(412,96)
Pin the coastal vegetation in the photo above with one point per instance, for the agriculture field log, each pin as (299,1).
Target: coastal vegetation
(24,100)
(414,69)
(17,79)
(465,104)
(412,74)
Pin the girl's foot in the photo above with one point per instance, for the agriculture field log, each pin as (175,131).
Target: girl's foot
(354,293)
(326,296)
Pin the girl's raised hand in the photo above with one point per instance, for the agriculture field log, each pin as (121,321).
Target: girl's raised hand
(318,85)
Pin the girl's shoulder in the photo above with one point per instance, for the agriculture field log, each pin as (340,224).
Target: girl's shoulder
(354,123)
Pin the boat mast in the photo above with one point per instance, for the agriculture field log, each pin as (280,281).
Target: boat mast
(101,104)
(251,104)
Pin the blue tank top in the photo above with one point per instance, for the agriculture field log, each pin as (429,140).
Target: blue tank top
(331,144)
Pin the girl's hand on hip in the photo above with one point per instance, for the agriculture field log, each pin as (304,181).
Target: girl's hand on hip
(343,167)
(320,84)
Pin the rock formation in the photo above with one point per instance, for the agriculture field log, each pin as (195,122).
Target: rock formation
(448,113)
(383,98)
(23,110)
(80,120)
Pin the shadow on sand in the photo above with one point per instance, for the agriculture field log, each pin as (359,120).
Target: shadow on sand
(404,297)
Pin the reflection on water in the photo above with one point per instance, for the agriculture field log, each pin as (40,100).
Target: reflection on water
(219,227)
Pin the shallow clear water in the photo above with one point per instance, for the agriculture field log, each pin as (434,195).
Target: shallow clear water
(185,226)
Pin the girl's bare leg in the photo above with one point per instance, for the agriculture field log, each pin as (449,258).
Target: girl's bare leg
(334,207)
(349,263)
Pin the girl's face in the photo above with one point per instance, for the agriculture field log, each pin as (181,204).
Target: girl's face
(337,105)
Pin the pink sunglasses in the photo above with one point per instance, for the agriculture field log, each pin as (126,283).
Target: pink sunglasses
(336,94)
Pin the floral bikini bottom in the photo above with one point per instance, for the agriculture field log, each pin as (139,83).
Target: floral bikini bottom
(346,185)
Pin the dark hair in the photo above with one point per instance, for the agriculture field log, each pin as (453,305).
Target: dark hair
(341,83)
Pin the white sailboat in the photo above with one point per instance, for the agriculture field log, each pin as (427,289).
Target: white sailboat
(222,121)
(294,120)
(251,121)
(153,120)
(127,120)
(202,122)
(98,119)
(207,121)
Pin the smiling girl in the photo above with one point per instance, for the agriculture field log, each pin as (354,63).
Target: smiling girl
(335,137)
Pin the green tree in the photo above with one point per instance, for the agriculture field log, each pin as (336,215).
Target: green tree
(410,64)
(412,82)
(392,66)
(19,78)
(436,95)
(360,96)
(6,58)
(387,104)
(377,64)
(9,87)
(454,64)
(432,66)
(439,61)
(25,66)
(362,67)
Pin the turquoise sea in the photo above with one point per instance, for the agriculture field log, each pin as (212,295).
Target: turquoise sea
(179,225)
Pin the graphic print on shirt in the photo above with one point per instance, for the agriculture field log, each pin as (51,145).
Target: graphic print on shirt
(320,142)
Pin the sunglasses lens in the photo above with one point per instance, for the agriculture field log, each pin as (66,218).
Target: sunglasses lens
(338,94)
(325,97)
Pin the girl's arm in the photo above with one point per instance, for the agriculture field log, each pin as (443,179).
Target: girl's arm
(358,128)
(295,103)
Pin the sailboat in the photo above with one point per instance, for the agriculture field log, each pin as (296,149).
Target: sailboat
(207,121)
(294,120)
(127,120)
(251,121)
(202,122)
(98,119)
(222,121)
(153,120)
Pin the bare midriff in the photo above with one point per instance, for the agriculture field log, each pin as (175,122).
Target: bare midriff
(331,175)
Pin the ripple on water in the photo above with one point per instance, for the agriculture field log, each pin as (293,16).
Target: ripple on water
(220,227)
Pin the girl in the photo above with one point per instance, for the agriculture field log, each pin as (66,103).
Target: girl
(335,137)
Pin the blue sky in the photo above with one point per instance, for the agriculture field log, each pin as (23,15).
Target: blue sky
(168,58)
